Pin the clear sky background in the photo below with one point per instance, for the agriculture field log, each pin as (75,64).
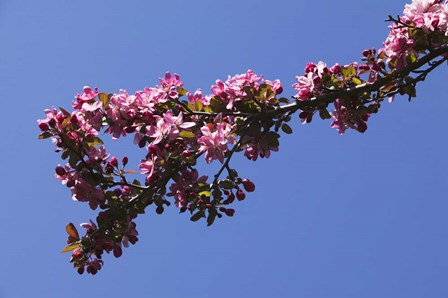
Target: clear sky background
(332,216)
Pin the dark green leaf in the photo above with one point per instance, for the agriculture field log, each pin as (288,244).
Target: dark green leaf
(271,139)
(283,100)
(73,160)
(286,128)
(198,215)
(323,113)
(64,111)
(211,217)
(65,154)
(227,184)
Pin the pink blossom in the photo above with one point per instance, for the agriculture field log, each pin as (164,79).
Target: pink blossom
(197,96)
(167,126)
(171,80)
(146,167)
(308,85)
(85,192)
(89,226)
(54,119)
(87,96)
(344,118)
(215,143)
(304,86)
(232,89)
(185,184)
(96,155)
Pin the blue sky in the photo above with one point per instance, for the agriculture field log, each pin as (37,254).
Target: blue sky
(332,216)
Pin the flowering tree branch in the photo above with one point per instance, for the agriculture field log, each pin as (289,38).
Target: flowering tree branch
(175,127)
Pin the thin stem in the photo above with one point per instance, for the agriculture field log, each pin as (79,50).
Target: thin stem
(225,165)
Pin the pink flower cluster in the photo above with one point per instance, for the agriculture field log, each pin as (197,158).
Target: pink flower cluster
(232,90)
(320,80)
(174,133)
(421,19)
(422,28)
(244,113)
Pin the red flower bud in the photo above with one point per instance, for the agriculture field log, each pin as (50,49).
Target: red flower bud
(160,209)
(133,239)
(124,161)
(249,186)
(113,162)
(117,251)
(70,183)
(43,126)
(230,212)
(60,171)
(240,195)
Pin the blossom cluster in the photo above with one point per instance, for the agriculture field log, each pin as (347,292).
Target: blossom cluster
(245,113)
(174,133)
(422,28)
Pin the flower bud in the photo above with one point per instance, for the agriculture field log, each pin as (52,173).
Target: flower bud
(249,186)
(240,195)
(70,183)
(117,251)
(124,161)
(160,209)
(230,212)
(60,171)
(43,126)
(113,162)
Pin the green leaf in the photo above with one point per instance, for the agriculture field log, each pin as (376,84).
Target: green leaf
(356,81)
(64,111)
(284,100)
(94,141)
(286,128)
(211,217)
(44,135)
(323,113)
(271,140)
(65,154)
(73,160)
(264,87)
(70,247)
(181,91)
(348,71)
(105,99)
(66,122)
(249,90)
(227,184)
(217,105)
(204,193)
(362,111)
(190,160)
(198,215)
(90,178)
(187,134)
(198,105)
